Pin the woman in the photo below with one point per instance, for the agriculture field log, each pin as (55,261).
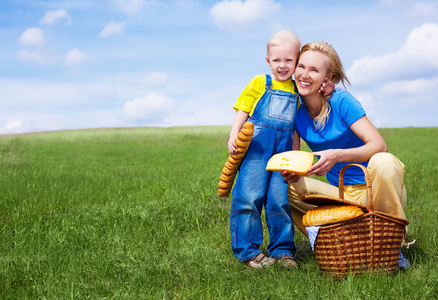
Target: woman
(338,132)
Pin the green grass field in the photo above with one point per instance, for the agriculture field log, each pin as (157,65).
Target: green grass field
(134,214)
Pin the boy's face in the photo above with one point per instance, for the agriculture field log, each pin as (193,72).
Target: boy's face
(282,59)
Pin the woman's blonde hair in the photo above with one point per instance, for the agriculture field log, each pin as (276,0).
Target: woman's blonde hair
(282,37)
(335,69)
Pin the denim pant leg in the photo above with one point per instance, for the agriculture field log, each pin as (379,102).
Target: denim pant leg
(247,204)
(279,219)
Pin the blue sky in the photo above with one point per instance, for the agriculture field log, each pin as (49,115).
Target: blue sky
(119,63)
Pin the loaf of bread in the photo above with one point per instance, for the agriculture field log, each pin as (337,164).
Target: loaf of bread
(298,162)
(330,214)
(233,162)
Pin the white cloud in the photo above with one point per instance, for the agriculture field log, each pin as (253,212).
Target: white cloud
(74,58)
(366,100)
(32,37)
(32,123)
(12,127)
(237,15)
(157,79)
(34,57)
(401,103)
(112,29)
(415,92)
(422,9)
(151,108)
(368,105)
(53,16)
(416,58)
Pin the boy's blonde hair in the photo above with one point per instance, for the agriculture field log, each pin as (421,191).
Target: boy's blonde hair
(282,37)
(335,69)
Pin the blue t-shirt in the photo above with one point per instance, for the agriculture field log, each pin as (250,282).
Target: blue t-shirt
(336,134)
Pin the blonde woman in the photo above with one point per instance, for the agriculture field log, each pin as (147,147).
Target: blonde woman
(338,131)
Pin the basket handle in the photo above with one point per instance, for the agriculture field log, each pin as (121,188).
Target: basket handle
(367,181)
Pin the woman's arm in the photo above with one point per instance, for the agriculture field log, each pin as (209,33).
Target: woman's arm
(366,131)
(241,118)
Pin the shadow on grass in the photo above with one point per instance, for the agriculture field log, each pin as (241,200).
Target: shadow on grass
(304,251)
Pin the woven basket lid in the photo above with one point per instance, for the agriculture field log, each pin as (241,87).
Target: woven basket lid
(321,200)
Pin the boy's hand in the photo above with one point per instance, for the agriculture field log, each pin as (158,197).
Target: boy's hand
(289,177)
(241,118)
(232,147)
(327,87)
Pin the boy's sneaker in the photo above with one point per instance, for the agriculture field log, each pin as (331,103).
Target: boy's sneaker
(287,262)
(259,261)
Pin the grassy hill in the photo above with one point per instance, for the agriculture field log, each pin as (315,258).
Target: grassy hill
(133,213)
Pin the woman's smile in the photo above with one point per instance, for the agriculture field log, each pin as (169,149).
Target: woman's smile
(305,84)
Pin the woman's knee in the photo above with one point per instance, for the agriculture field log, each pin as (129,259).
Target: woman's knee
(296,190)
(385,164)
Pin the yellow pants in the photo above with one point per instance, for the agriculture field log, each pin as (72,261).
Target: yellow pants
(389,194)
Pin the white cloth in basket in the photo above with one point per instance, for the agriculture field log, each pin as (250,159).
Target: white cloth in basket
(312,231)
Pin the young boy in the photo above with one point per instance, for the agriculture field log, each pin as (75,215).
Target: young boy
(269,102)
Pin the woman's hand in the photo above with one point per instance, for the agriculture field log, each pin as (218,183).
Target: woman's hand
(289,177)
(366,131)
(327,159)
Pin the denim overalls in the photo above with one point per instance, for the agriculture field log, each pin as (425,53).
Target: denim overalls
(273,119)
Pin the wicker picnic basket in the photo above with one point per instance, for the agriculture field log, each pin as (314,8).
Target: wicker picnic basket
(371,242)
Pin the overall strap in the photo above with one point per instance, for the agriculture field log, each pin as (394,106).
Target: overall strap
(268,82)
(296,91)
